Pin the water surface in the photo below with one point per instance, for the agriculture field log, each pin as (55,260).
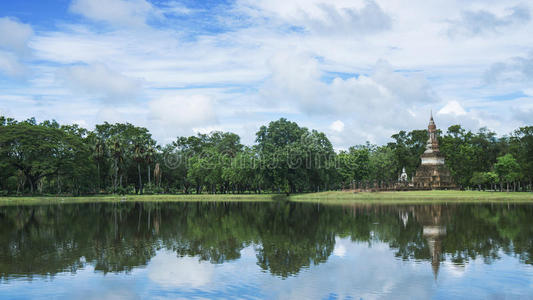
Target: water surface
(266,250)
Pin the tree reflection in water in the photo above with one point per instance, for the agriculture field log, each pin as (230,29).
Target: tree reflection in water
(117,237)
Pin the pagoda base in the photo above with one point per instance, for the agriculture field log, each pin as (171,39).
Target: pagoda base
(433,177)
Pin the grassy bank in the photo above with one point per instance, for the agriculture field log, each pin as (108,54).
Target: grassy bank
(143,198)
(324,197)
(414,197)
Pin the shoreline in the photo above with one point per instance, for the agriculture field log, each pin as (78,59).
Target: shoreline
(332,197)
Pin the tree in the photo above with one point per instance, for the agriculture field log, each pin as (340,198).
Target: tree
(407,148)
(354,164)
(98,155)
(36,160)
(383,164)
(116,148)
(479,179)
(138,145)
(286,157)
(491,178)
(467,152)
(507,169)
(77,170)
(149,158)
(293,158)
(521,146)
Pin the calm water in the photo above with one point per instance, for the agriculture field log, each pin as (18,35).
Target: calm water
(266,250)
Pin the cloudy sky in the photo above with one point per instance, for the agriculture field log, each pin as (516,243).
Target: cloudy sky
(357,70)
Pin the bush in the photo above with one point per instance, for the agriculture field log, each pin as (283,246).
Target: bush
(173,190)
(151,189)
(130,190)
(122,191)
(148,189)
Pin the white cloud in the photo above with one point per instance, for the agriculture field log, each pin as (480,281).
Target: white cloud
(4,111)
(100,81)
(10,65)
(80,122)
(14,37)
(322,17)
(523,112)
(519,68)
(377,104)
(337,126)
(299,77)
(116,12)
(174,7)
(528,92)
(207,129)
(453,107)
(295,77)
(478,22)
(179,114)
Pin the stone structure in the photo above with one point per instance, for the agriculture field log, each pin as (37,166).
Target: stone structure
(403,177)
(432,173)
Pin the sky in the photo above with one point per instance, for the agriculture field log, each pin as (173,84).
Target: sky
(357,70)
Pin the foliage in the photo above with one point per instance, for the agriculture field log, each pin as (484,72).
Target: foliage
(49,158)
(507,169)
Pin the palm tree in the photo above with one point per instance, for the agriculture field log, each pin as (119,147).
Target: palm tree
(116,149)
(98,155)
(149,158)
(138,156)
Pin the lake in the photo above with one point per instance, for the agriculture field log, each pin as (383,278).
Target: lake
(268,250)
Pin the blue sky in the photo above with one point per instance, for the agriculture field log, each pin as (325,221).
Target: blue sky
(358,70)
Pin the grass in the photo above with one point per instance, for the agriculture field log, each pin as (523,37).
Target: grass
(414,197)
(334,197)
(142,198)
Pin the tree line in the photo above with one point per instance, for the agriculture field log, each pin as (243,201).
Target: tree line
(49,158)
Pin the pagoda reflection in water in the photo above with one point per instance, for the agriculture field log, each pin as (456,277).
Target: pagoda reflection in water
(433,235)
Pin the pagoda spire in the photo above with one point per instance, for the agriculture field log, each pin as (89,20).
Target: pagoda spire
(432,144)
(432,127)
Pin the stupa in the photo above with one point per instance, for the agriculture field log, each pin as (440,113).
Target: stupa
(433,173)
(403,177)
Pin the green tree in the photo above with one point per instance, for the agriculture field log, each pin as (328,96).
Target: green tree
(149,158)
(507,169)
(354,164)
(98,155)
(467,152)
(383,164)
(521,146)
(116,148)
(479,179)
(407,148)
(35,150)
(293,157)
(138,145)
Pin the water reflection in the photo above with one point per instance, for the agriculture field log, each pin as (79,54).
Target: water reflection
(285,237)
